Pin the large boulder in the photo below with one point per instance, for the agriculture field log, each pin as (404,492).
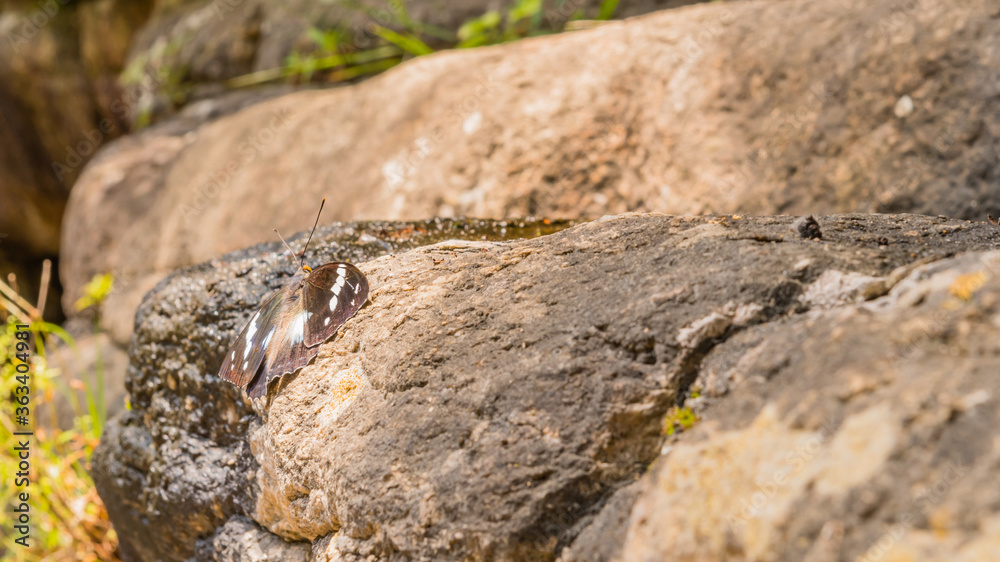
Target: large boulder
(831,107)
(507,400)
(59,63)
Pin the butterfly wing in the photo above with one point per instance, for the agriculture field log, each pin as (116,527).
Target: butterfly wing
(333,293)
(247,351)
(289,351)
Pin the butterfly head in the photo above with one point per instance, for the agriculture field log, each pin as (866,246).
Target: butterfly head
(301,256)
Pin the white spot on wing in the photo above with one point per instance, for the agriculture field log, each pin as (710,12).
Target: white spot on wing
(326,321)
(245,365)
(267,340)
(333,303)
(251,330)
(297,328)
(339,284)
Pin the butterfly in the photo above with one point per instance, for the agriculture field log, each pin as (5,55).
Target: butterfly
(285,333)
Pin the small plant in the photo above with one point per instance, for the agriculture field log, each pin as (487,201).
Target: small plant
(523,19)
(95,291)
(156,72)
(679,419)
(67,518)
(335,58)
(331,56)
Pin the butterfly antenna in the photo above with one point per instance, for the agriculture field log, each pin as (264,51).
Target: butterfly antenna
(302,256)
(285,243)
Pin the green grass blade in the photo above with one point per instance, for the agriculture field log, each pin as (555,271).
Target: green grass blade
(407,42)
(608,8)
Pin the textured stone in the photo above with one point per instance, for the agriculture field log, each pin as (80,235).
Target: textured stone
(498,400)
(695,110)
(241,540)
(860,432)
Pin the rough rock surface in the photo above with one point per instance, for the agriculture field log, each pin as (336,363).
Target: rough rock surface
(214,488)
(499,400)
(861,432)
(243,540)
(835,106)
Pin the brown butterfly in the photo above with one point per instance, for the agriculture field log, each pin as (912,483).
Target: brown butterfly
(285,333)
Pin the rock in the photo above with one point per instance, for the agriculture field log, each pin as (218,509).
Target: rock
(240,539)
(903,107)
(834,288)
(807,227)
(498,400)
(852,436)
(601,538)
(683,111)
(132,172)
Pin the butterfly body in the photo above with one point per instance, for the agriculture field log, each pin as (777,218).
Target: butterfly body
(285,333)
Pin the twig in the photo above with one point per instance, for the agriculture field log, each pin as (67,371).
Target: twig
(43,289)
(15,310)
(16,298)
